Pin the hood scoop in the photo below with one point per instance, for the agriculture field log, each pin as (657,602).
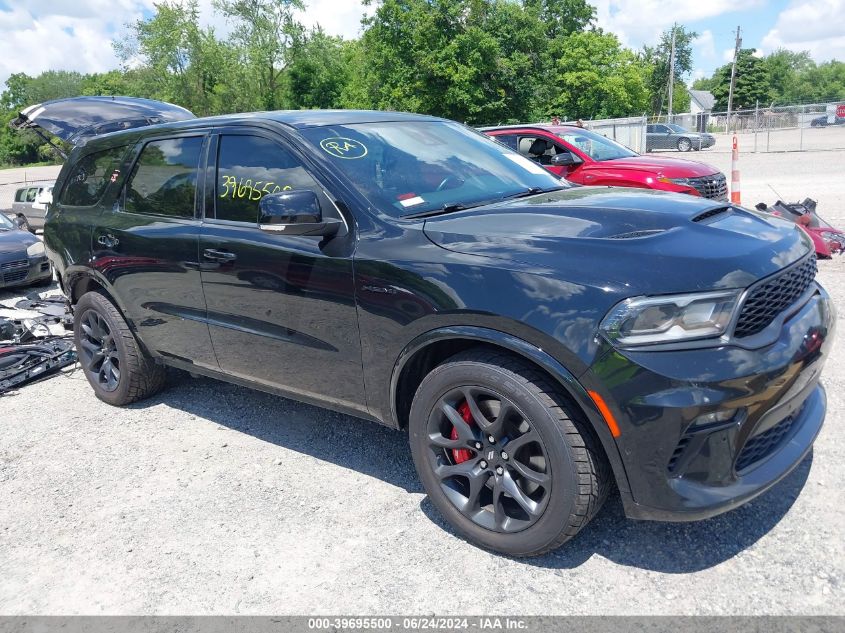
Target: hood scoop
(635,234)
(712,213)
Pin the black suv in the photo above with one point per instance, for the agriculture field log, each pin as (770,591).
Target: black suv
(540,342)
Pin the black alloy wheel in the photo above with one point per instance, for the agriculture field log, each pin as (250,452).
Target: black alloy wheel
(118,369)
(490,461)
(504,455)
(98,351)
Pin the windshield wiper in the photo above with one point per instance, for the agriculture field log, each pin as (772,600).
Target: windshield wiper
(531,191)
(446,208)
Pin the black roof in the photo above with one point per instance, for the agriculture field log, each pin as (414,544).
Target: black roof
(303,118)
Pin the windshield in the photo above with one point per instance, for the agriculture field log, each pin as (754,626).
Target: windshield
(5,223)
(596,146)
(676,128)
(406,168)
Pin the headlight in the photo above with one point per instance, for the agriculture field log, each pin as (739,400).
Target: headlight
(670,318)
(675,181)
(35,250)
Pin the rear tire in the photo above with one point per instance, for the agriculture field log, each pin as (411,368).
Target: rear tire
(117,368)
(554,478)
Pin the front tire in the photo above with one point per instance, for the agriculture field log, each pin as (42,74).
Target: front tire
(684,144)
(503,455)
(117,368)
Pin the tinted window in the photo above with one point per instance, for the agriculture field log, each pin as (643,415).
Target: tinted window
(89,177)
(164,180)
(250,167)
(19,195)
(30,194)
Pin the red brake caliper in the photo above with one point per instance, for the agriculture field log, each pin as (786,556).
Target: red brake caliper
(462,454)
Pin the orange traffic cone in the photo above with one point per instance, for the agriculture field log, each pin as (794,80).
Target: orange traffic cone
(735,189)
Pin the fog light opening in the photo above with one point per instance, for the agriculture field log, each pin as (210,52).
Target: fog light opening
(716,417)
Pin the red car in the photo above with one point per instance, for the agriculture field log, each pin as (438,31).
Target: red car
(588,158)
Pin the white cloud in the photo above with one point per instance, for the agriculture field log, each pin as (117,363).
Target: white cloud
(638,22)
(704,45)
(811,25)
(39,35)
(728,54)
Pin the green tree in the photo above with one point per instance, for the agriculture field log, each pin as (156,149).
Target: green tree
(752,83)
(318,71)
(595,77)
(658,58)
(784,67)
(264,32)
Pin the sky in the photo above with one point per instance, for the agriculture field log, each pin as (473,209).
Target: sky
(39,35)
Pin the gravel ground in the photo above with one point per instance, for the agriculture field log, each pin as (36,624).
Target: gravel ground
(214,499)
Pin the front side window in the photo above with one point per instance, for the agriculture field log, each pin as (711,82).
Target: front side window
(412,167)
(596,146)
(90,176)
(507,139)
(30,194)
(249,168)
(164,179)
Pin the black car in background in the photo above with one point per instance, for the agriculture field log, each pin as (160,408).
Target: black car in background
(22,258)
(541,343)
(672,136)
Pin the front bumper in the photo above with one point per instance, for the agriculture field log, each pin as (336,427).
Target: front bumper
(24,271)
(678,470)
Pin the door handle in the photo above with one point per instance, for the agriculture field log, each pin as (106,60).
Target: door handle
(109,241)
(219,256)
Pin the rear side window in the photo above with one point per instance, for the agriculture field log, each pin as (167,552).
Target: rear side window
(90,176)
(250,167)
(164,180)
(30,194)
(19,195)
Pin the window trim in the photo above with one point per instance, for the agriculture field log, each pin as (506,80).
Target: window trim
(133,159)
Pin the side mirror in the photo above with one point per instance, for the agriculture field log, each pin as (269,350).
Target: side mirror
(294,212)
(565,159)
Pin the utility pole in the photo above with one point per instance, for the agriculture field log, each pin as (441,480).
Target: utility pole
(733,71)
(671,74)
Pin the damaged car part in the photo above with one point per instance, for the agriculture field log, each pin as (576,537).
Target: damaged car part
(21,364)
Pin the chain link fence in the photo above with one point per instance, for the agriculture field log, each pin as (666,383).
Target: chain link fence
(795,128)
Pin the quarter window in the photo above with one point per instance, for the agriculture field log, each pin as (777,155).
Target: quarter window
(19,195)
(164,180)
(88,179)
(249,168)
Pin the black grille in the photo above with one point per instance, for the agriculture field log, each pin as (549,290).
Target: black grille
(714,187)
(762,445)
(678,452)
(772,297)
(12,272)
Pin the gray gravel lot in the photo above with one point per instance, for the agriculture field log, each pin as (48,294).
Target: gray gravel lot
(215,499)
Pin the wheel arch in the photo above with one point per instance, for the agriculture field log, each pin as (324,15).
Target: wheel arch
(432,348)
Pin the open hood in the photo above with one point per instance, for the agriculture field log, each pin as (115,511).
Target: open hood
(77,119)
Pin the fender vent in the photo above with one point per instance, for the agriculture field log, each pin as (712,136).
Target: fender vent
(711,213)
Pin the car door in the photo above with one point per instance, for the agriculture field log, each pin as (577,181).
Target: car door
(281,308)
(554,146)
(662,137)
(145,246)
